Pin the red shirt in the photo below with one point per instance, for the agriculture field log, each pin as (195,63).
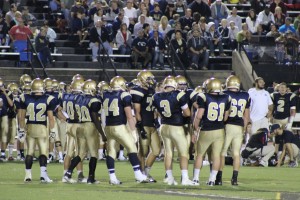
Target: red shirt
(124,36)
(20,33)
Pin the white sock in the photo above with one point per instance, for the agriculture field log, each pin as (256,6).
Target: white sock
(60,154)
(121,154)
(196,174)
(212,176)
(44,172)
(184,174)
(100,153)
(147,170)
(169,173)
(3,153)
(112,176)
(28,171)
(65,171)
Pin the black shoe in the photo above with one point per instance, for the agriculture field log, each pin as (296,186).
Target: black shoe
(211,183)
(92,181)
(218,182)
(234,182)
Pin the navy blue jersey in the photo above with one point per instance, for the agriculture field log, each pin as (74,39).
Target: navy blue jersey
(12,110)
(4,109)
(68,102)
(36,107)
(283,104)
(188,93)
(144,97)
(86,105)
(56,98)
(169,105)
(215,107)
(239,102)
(114,103)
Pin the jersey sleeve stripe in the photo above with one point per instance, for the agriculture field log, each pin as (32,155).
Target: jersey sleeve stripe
(135,92)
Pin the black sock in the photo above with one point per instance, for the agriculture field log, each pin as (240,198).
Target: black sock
(43,160)
(110,163)
(74,163)
(235,174)
(22,153)
(219,176)
(28,162)
(92,167)
(133,158)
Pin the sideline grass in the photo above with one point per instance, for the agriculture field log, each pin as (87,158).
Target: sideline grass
(255,183)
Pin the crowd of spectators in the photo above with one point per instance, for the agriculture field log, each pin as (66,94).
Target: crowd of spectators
(147,29)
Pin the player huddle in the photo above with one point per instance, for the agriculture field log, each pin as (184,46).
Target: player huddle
(87,115)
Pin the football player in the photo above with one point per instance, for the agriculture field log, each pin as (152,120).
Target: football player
(144,114)
(239,116)
(213,110)
(48,84)
(284,109)
(172,107)
(5,103)
(37,106)
(87,109)
(67,105)
(117,106)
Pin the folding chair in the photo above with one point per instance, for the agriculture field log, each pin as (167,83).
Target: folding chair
(20,46)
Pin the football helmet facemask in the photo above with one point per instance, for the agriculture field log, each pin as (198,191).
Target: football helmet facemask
(146,78)
(170,81)
(182,83)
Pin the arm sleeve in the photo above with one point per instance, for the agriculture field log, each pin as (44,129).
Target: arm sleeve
(201,101)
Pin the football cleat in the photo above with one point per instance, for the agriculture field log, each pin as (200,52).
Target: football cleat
(292,164)
(196,182)
(211,183)
(63,180)
(81,178)
(92,181)
(218,182)
(122,158)
(45,179)
(188,182)
(3,158)
(68,178)
(234,182)
(171,181)
(115,182)
(10,158)
(61,161)
(142,179)
(151,179)
(28,177)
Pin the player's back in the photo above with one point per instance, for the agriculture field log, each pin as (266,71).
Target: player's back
(169,104)
(68,102)
(85,106)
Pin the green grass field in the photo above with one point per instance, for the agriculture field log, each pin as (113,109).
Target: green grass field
(254,183)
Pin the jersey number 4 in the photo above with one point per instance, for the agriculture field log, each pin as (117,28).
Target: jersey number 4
(112,107)
(40,115)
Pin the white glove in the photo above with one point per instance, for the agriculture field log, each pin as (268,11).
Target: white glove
(289,126)
(52,134)
(21,135)
(134,136)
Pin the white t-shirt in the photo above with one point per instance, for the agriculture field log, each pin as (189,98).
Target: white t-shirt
(260,101)
(130,13)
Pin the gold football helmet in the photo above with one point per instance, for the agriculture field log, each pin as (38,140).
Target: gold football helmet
(199,89)
(181,82)
(26,88)
(76,76)
(55,84)
(13,87)
(136,82)
(146,78)
(61,86)
(89,87)
(25,79)
(76,85)
(170,81)
(103,86)
(214,85)
(48,83)
(118,83)
(233,82)
(37,85)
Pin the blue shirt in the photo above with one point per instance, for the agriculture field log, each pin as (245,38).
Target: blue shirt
(284,28)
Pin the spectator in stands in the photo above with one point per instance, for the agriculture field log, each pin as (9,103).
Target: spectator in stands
(77,8)
(187,20)
(28,18)
(163,5)
(138,26)
(257,5)
(51,35)
(280,50)
(19,32)
(201,7)
(140,50)
(288,143)
(156,13)
(3,31)
(142,6)
(265,18)
(279,17)
(117,23)
(235,17)
(164,27)
(94,10)
(155,28)
(260,31)
(148,19)
(42,47)
(113,10)
(214,40)
(171,34)
(99,38)
(148,5)
(203,26)
(197,48)
(297,22)
(251,21)
(130,11)
(97,16)
(278,3)
(79,27)
(219,11)
(55,6)
(9,21)
(224,32)
(194,28)
(170,11)
(124,40)
(233,31)
(243,37)
(146,29)
(157,47)
(12,11)
(273,32)
(179,50)
(180,8)
(287,26)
